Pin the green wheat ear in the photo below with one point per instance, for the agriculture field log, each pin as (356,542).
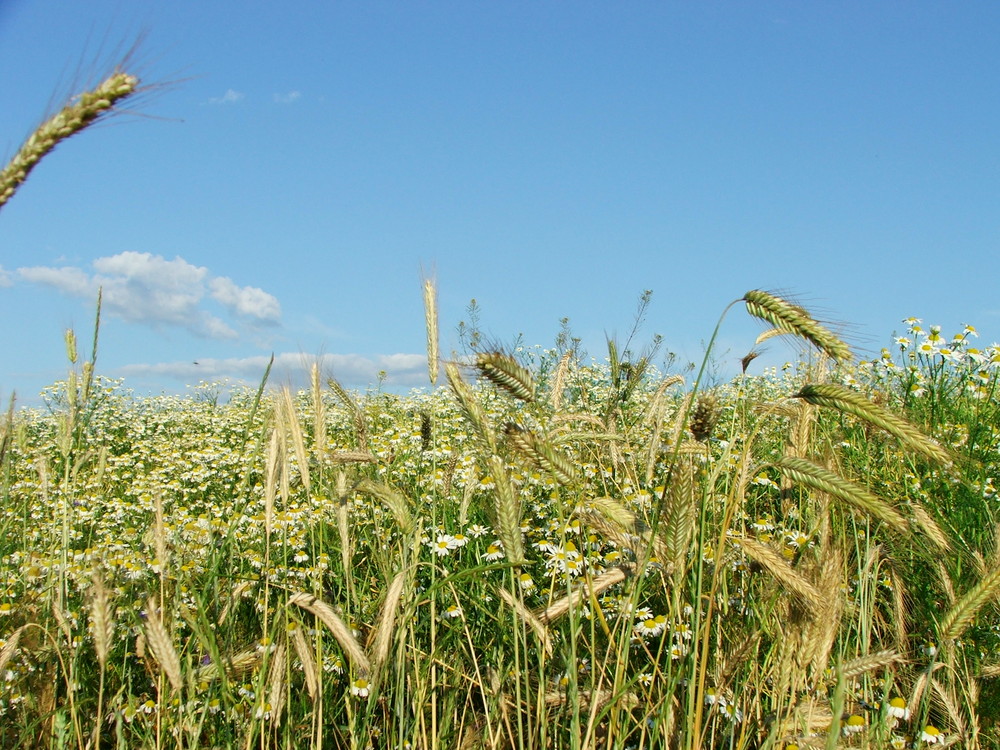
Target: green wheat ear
(71,119)
(792,318)
(844,399)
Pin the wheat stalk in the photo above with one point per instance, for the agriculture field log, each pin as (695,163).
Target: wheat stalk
(162,646)
(340,631)
(508,511)
(845,400)
(794,319)
(504,372)
(431,319)
(961,615)
(816,477)
(71,119)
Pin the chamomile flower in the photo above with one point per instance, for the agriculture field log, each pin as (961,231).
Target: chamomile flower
(651,627)
(443,545)
(359,687)
(855,723)
(897,708)
(931,735)
(493,553)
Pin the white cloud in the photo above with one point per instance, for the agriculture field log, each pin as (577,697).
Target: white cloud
(5,278)
(230,97)
(151,290)
(351,370)
(288,98)
(247,302)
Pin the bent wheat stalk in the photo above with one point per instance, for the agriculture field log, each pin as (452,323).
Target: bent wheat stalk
(791,318)
(71,119)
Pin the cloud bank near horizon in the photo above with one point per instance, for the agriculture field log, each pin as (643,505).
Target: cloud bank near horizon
(150,290)
(351,370)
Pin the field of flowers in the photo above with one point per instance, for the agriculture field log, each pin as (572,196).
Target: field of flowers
(541,552)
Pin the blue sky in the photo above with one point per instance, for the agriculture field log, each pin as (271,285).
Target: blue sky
(289,173)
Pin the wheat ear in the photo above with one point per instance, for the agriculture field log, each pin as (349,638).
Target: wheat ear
(789,317)
(541,453)
(844,399)
(431,320)
(340,631)
(961,615)
(471,407)
(787,576)
(71,119)
(309,667)
(816,477)
(504,372)
(387,621)
(162,647)
(508,511)
(276,683)
(393,500)
(102,621)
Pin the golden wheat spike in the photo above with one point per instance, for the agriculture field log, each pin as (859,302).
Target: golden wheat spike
(340,631)
(541,453)
(431,321)
(961,615)
(70,120)
(794,319)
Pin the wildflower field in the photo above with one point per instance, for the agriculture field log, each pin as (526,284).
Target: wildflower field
(541,552)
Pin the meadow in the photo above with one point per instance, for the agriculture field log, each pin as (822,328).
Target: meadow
(540,552)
